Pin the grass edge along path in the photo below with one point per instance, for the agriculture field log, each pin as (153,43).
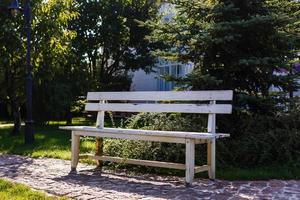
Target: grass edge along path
(10,190)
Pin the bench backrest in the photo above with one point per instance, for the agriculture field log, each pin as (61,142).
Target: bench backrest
(161,101)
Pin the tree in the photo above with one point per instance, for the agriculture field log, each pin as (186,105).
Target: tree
(241,43)
(50,45)
(52,55)
(110,42)
(12,70)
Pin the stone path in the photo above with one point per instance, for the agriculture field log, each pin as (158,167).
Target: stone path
(52,176)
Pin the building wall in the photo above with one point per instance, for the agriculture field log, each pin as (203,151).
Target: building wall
(154,81)
(143,82)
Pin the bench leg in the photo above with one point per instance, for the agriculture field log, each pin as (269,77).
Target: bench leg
(189,161)
(99,152)
(75,151)
(211,158)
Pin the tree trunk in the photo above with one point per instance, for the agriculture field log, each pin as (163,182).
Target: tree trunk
(69,118)
(15,107)
(14,104)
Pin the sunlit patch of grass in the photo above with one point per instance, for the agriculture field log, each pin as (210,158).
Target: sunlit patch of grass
(75,121)
(9,191)
(5,122)
(49,142)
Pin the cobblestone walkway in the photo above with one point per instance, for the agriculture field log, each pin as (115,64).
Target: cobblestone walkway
(52,176)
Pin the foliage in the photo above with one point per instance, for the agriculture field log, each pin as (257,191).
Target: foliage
(263,138)
(255,140)
(241,43)
(164,121)
(155,150)
(77,46)
(152,150)
(12,71)
(50,50)
(248,47)
(110,42)
(53,75)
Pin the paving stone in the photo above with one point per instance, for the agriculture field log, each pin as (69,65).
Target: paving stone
(260,184)
(53,176)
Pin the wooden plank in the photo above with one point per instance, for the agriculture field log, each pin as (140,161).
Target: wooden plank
(189,161)
(84,156)
(222,95)
(209,158)
(201,141)
(201,168)
(100,117)
(211,146)
(99,151)
(139,162)
(139,132)
(180,108)
(211,124)
(75,151)
(99,140)
(133,161)
(212,171)
(133,137)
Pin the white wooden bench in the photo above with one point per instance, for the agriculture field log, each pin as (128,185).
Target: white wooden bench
(170,101)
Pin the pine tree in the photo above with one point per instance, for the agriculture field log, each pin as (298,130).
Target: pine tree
(241,43)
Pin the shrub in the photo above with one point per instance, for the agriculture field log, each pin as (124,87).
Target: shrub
(264,139)
(155,150)
(256,139)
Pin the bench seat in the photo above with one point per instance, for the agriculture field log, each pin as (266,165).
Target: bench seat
(115,132)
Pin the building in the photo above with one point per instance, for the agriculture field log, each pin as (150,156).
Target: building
(154,81)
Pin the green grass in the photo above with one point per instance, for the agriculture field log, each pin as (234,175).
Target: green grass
(9,190)
(50,142)
(54,143)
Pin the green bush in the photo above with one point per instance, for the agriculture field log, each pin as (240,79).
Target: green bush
(256,139)
(264,139)
(155,150)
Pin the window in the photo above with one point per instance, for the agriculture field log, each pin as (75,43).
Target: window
(169,68)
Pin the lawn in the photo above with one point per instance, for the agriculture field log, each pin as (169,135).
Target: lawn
(50,142)
(54,143)
(9,190)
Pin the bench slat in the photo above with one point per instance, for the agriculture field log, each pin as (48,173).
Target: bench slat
(180,108)
(131,137)
(151,163)
(201,168)
(139,162)
(221,95)
(116,132)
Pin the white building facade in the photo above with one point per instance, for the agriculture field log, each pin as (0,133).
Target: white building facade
(154,81)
